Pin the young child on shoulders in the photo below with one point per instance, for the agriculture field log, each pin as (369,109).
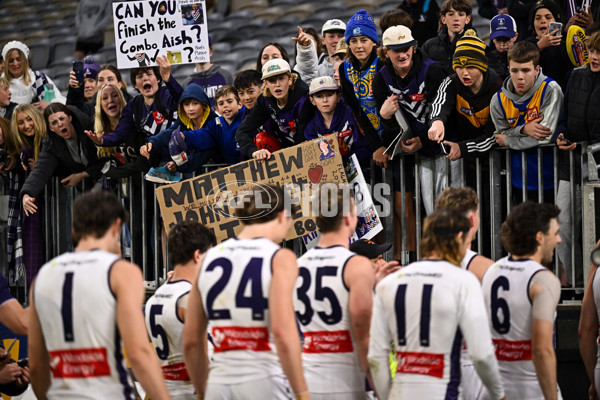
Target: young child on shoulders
(332,115)
(220,132)
(455,15)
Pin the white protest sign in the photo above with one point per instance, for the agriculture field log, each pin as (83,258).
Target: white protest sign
(146,29)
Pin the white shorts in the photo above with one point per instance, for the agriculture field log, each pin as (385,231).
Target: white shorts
(339,396)
(276,388)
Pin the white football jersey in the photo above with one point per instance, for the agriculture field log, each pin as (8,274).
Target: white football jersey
(469,256)
(234,285)
(165,329)
(425,310)
(329,355)
(77,312)
(506,291)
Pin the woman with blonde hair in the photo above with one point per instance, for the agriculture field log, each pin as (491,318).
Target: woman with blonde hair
(110,103)
(26,85)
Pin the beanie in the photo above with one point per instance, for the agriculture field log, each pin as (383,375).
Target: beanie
(361,24)
(550,5)
(15,44)
(90,68)
(470,52)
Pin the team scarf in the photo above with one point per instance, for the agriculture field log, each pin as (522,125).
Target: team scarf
(361,81)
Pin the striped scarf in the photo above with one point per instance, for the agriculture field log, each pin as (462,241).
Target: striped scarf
(362,81)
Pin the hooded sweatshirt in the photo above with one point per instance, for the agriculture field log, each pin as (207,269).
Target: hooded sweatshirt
(211,80)
(343,124)
(510,112)
(287,122)
(160,142)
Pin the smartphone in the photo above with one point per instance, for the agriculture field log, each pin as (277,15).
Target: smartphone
(554,26)
(78,69)
(23,362)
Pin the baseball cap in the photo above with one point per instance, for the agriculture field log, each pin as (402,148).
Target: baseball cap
(341,48)
(502,25)
(398,37)
(333,25)
(369,249)
(276,66)
(178,147)
(322,84)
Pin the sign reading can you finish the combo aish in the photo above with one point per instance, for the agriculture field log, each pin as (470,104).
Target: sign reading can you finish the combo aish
(209,198)
(146,29)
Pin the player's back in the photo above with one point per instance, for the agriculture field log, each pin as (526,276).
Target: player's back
(234,285)
(329,355)
(426,304)
(506,291)
(77,312)
(165,329)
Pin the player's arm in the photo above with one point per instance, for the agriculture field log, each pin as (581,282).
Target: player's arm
(39,361)
(479,265)
(195,350)
(588,329)
(283,319)
(545,294)
(14,316)
(360,279)
(127,284)
(380,347)
(473,322)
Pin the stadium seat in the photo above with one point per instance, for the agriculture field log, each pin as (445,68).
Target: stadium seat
(254,5)
(40,54)
(232,37)
(284,3)
(61,68)
(252,26)
(252,44)
(301,10)
(264,36)
(271,13)
(367,5)
(284,22)
(62,48)
(33,36)
(221,47)
(333,8)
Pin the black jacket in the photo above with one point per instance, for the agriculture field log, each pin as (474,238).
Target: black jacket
(519,10)
(580,117)
(425,24)
(441,50)
(498,61)
(372,137)
(9,110)
(55,159)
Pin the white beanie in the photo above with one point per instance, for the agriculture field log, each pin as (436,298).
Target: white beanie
(15,44)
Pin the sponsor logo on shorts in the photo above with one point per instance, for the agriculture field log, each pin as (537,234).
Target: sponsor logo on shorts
(420,363)
(328,342)
(79,363)
(512,350)
(226,338)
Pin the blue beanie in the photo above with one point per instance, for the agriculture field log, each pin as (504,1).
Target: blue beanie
(361,24)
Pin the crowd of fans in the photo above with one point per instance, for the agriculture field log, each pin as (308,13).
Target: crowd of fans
(428,72)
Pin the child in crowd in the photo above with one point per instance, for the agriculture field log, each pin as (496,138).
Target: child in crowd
(503,32)
(554,59)
(356,76)
(90,78)
(248,85)
(424,14)
(332,115)
(525,113)
(210,76)
(281,104)
(6,105)
(219,134)
(194,112)
(455,15)
(395,17)
(83,94)
(331,33)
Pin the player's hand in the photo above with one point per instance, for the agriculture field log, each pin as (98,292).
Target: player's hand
(23,380)
(97,138)
(262,154)
(146,149)
(29,205)
(165,67)
(383,269)
(9,373)
(454,153)
(562,143)
(303,39)
(501,139)
(536,130)
(72,180)
(171,166)
(381,160)
(411,145)
(73,82)
(389,107)
(437,131)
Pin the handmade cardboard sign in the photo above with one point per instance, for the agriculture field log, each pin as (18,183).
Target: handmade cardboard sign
(146,29)
(211,198)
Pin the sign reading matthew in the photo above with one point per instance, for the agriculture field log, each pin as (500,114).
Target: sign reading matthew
(146,29)
(211,198)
